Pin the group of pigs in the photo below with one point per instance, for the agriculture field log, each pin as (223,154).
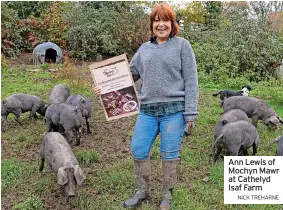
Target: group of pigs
(63,115)
(236,134)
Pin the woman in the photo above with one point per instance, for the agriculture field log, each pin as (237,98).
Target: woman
(169,94)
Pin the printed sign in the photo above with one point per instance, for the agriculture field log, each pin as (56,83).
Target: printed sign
(253,180)
(118,91)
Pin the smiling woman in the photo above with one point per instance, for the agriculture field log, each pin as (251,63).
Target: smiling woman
(165,61)
(163,23)
(162,29)
(168,94)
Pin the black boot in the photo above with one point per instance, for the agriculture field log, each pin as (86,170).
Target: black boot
(142,173)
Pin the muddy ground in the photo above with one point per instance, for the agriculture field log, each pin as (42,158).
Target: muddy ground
(111,140)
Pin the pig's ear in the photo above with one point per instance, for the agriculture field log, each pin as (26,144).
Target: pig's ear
(55,118)
(79,174)
(62,178)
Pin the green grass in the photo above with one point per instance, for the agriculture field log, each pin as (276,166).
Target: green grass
(31,203)
(108,169)
(86,158)
(28,83)
(11,173)
(82,201)
(155,151)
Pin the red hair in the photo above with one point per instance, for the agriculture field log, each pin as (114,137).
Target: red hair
(164,12)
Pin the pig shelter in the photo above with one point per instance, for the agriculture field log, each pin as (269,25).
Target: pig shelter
(47,52)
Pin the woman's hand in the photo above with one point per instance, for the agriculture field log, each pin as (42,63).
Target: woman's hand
(96,90)
(190,125)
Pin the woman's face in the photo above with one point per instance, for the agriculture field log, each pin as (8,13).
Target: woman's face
(161,29)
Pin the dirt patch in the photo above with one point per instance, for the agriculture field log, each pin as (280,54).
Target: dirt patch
(42,80)
(22,59)
(25,58)
(109,139)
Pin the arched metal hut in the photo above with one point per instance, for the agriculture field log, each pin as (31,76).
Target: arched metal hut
(47,52)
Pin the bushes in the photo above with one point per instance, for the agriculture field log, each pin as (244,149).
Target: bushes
(53,24)
(28,8)
(132,30)
(226,53)
(11,37)
(86,41)
(237,46)
(86,30)
(19,29)
(108,30)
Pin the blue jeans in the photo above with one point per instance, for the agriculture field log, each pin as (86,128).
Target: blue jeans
(171,128)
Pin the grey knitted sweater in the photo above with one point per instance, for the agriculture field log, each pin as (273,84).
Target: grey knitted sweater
(168,73)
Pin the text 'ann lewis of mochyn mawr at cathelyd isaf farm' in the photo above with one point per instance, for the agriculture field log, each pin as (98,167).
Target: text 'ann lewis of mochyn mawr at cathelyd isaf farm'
(253,180)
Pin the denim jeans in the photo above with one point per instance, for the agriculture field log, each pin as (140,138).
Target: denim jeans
(171,128)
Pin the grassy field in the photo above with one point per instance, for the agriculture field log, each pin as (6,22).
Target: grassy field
(104,155)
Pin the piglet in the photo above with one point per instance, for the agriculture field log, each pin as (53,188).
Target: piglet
(20,103)
(85,106)
(235,136)
(61,159)
(66,119)
(232,115)
(279,140)
(58,94)
(255,109)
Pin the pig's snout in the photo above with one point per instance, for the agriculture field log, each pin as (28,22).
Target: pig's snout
(70,187)
(272,127)
(71,194)
(71,191)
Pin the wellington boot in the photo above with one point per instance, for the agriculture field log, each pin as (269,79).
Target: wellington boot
(170,171)
(142,173)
